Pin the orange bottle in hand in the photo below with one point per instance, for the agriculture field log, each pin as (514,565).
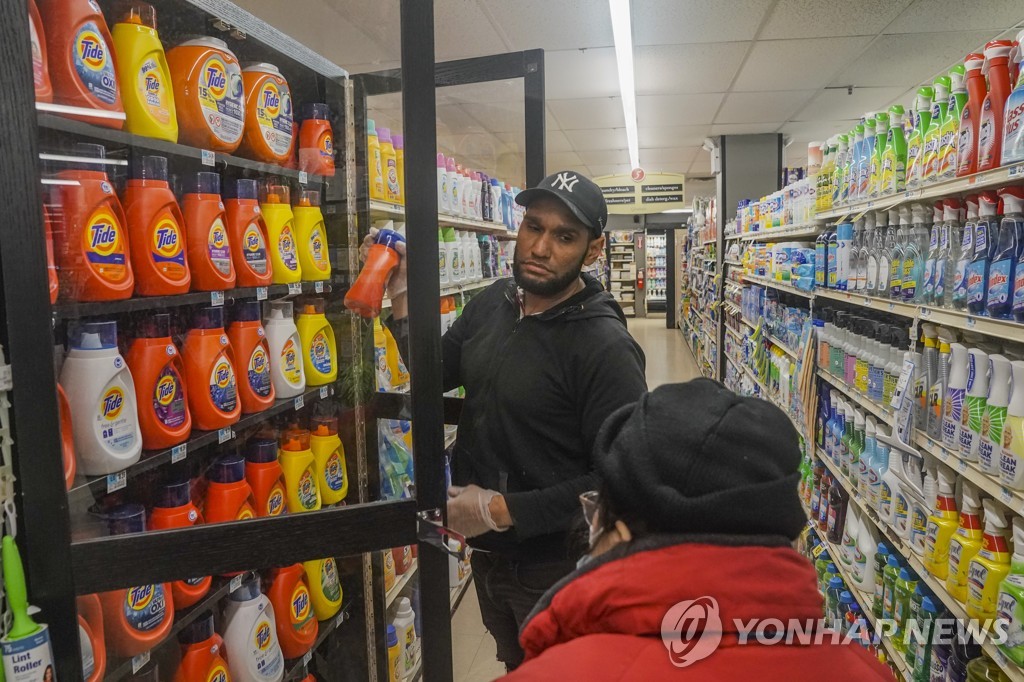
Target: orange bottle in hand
(249,347)
(210,371)
(173,508)
(367,294)
(158,374)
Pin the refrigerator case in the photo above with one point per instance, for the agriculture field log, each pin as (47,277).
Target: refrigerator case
(657,263)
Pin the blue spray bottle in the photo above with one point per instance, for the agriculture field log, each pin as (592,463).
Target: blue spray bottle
(823,414)
(963,262)
(984,247)
(1009,247)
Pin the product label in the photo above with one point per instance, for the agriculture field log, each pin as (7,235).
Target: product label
(902,515)
(965,151)
(931,156)
(909,286)
(38,72)
(307,491)
(218,674)
(300,608)
(1013,130)
(286,248)
(970,431)
(94,63)
(952,417)
(274,114)
(947,150)
(169,398)
(254,248)
(976,283)
(334,472)
(999,282)
(168,247)
(325,146)
(895,278)
(218,247)
(223,390)
(918,528)
(145,607)
(115,420)
(977,575)
(318,248)
(264,651)
(391,180)
(259,370)
(320,353)
(220,97)
(275,501)
(939,281)
(154,85)
(104,246)
(915,161)
(329,580)
(291,366)
(987,136)
(1007,610)
(871,274)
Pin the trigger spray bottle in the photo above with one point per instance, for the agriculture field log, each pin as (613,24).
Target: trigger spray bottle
(974,404)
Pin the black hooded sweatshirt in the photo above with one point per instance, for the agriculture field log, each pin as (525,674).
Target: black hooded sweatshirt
(538,388)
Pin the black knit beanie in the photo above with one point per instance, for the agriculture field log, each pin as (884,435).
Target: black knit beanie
(697,458)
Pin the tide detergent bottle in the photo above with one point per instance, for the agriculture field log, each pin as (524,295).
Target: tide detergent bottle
(81,62)
(40,65)
(367,293)
(990,565)
(228,497)
(250,636)
(316,140)
(965,543)
(93,253)
(210,371)
(157,370)
(173,508)
(297,462)
(202,652)
(143,75)
(286,364)
(311,237)
(319,350)
(90,635)
(269,125)
(249,346)
(67,438)
(277,214)
(329,456)
(101,395)
(247,233)
(993,109)
(297,626)
(264,475)
(209,247)
(156,229)
(324,587)
(138,618)
(208,95)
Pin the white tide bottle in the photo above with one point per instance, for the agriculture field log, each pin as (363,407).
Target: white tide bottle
(286,371)
(250,636)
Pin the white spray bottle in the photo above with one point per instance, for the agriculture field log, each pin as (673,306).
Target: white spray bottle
(991,441)
(937,391)
(1011,461)
(953,402)
(888,489)
(864,555)
(974,404)
(866,459)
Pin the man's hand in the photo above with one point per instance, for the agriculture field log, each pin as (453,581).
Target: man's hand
(474,511)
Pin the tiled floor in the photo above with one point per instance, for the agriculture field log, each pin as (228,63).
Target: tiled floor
(473,650)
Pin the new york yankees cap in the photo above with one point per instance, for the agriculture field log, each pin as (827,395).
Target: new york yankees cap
(578,192)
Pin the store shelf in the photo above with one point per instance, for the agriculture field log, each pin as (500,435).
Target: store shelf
(708,242)
(750,324)
(881,304)
(383,208)
(85,489)
(453,290)
(733,263)
(767,395)
(298,669)
(731,237)
(783,347)
(729,330)
(877,409)
(996,177)
(773,284)
(459,591)
(811,229)
(403,580)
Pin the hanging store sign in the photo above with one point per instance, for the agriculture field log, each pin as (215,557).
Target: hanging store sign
(619,189)
(640,192)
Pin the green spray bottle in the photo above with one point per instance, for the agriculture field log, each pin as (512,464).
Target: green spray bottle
(915,143)
(894,161)
(922,661)
(889,577)
(881,140)
(840,194)
(1010,604)
(950,128)
(905,585)
(940,104)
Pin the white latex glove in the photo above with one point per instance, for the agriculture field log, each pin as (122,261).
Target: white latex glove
(469,512)
(398,283)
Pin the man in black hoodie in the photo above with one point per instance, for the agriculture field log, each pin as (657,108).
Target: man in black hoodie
(544,358)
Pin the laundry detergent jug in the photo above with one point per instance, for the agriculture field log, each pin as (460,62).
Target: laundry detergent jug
(249,345)
(159,376)
(269,125)
(208,94)
(209,247)
(210,371)
(247,234)
(156,229)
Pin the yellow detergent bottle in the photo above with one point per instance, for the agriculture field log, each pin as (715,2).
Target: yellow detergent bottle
(329,455)
(144,77)
(385,380)
(324,587)
(942,524)
(316,336)
(377,189)
(311,237)
(399,374)
(297,463)
(990,566)
(277,214)
(965,543)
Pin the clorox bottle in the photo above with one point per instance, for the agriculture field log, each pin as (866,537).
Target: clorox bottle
(250,636)
(286,364)
(157,231)
(319,350)
(209,247)
(329,455)
(296,625)
(300,479)
(277,214)
(249,346)
(311,237)
(143,75)
(210,371)
(101,395)
(159,377)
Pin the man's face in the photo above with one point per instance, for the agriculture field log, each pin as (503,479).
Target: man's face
(551,248)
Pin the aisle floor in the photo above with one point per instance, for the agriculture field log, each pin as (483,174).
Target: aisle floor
(473,649)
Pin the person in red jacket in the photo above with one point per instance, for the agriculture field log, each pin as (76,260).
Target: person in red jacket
(691,555)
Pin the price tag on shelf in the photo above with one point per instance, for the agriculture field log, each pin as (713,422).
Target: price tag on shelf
(970,323)
(303,177)
(179,452)
(924,312)
(1005,495)
(217,298)
(867,302)
(117,481)
(139,661)
(961,466)
(300,402)
(261,293)
(318,287)
(208,158)
(295,288)
(224,435)
(323,392)
(1016,171)
(339,619)
(817,551)
(236,582)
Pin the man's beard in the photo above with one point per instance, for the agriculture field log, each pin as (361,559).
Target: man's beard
(549,287)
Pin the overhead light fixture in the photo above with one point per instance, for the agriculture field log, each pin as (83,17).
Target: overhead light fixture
(622,32)
(679,210)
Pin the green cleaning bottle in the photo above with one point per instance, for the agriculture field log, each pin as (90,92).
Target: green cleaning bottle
(915,143)
(894,162)
(889,577)
(940,104)
(1010,605)
(881,140)
(950,128)
(904,590)
(922,663)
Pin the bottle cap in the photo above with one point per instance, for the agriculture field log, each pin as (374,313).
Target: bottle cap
(295,439)
(173,495)
(262,67)
(150,168)
(893,561)
(242,188)
(316,111)
(124,518)
(155,327)
(904,574)
(209,317)
(280,310)
(89,152)
(384,135)
(441,161)
(398,142)
(309,197)
(94,335)
(275,194)
(835,582)
(203,182)
(313,305)
(227,469)
(139,14)
(388,238)
(371,127)
(392,636)
(249,311)
(199,630)
(261,450)
(846,597)
(248,590)
(324,426)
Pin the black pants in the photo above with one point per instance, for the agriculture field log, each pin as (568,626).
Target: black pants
(507,591)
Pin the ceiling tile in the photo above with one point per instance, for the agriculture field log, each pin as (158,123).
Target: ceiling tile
(676,110)
(836,104)
(935,16)
(556,141)
(669,22)
(564,25)
(673,136)
(584,114)
(816,130)
(598,170)
(575,74)
(808,63)
(605,156)
(562,160)
(589,140)
(701,164)
(761,107)
(476,145)
(461,29)
(492,92)
(814,19)
(674,159)
(673,69)
(899,60)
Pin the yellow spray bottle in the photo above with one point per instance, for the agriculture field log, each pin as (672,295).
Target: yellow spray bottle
(942,524)
(990,566)
(277,214)
(316,336)
(965,543)
(329,455)
(311,237)
(297,463)
(145,78)
(324,587)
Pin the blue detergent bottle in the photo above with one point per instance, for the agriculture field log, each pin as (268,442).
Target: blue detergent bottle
(1001,277)
(984,249)
(1013,210)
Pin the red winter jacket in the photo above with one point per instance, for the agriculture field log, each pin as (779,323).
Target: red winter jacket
(603,621)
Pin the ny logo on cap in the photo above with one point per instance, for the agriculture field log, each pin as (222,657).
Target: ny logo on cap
(565,181)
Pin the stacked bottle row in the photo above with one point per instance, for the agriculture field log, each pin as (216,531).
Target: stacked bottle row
(794,204)
(842,610)
(465,257)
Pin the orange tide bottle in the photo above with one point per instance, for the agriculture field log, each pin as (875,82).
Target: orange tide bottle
(93,248)
(297,626)
(210,371)
(208,97)
(316,140)
(269,126)
(158,374)
(156,229)
(40,67)
(265,477)
(249,347)
(81,60)
(90,635)
(247,233)
(228,496)
(173,508)
(135,619)
(367,294)
(51,265)
(209,248)
(202,653)
(67,438)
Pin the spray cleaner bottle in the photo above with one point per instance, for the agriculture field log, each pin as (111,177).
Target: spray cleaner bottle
(953,403)
(1011,461)
(915,143)
(991,442)
(1009,249)
(937,390)
(985,243)
(942,525)
(881,140)
(958,299)
(1010,604)
(935,245)
(940,104)
(894,162)
(993,109)
(990,566)
(1013,224)
(914,257)
(951,123)
(965,543)
(950,237)
(967,140)
(974,404)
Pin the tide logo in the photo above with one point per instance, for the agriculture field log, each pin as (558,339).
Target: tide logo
(258,361)
(329,573)
(166,389)
(138,598)
(92,50)
(223,374)
(275,502)
(335,475)
(167,239)
(112,403)
(289,355)
(270,100)
(102,236)
(253,240)
(152,86)
(300,604)
(218,674)
(218,236)
(216,76)
(263,636)
(318,349)
(327,145)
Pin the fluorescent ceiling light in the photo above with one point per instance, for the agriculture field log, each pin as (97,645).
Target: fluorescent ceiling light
(679,210)
(622,31)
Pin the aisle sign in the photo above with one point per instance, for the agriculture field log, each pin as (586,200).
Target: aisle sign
(641,192)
